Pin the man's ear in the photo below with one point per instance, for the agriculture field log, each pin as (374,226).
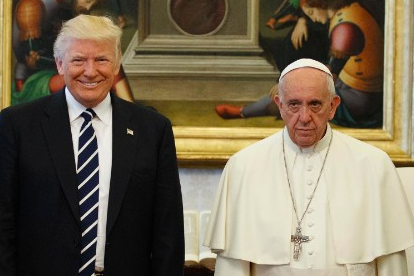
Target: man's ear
(117,69)
(336,100)
(59,66)
(277,101)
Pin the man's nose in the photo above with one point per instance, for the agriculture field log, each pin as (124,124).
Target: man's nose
(90,68)
(305,114)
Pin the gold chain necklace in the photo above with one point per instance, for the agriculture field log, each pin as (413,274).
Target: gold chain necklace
(298,238)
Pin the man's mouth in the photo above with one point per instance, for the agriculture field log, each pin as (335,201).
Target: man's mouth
(90,84)
(304,130)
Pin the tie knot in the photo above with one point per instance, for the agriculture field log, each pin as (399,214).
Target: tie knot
(88,114)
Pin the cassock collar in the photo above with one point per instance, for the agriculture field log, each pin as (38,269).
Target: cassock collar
(319,146)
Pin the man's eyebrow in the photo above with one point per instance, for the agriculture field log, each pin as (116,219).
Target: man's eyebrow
(293,101)
(315,101)
(76,55)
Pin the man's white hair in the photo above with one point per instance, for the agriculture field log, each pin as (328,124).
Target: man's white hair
(98,28)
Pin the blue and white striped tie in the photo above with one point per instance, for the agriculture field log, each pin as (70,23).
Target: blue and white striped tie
(88,179)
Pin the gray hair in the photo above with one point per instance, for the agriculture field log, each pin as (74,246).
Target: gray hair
(98,28)
(329,85)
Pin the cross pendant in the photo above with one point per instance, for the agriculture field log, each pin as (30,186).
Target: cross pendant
(297,240)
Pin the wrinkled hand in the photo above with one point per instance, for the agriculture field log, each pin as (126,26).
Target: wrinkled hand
(300,33)
(31,59)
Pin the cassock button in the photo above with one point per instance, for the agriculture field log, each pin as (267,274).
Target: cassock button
(309,168)
(311,267)
(309,183)
(310,253)
(310,211)
(311,224)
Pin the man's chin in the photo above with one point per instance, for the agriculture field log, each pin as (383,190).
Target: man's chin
(305,141)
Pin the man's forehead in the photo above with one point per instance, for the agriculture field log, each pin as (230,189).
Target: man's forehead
(305,79)
(300,93)
(296,98)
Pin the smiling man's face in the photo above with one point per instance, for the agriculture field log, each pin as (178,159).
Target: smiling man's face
(89,68)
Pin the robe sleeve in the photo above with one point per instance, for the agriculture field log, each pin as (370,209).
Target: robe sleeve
(364,269)
(392,264)
(234,267)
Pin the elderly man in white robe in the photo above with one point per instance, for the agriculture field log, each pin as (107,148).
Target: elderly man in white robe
(310,200)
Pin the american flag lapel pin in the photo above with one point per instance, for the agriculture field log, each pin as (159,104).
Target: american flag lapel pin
(130,131)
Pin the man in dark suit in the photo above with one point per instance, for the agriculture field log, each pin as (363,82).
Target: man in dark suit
(88,182)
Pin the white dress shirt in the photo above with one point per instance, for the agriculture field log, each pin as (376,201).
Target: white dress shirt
(102,124)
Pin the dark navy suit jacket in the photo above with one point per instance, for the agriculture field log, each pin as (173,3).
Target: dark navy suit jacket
(39,215)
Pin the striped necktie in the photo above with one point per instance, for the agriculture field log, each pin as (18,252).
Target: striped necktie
(88,181)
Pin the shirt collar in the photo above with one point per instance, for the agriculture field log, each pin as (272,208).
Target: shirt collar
(102,110)
(319,146)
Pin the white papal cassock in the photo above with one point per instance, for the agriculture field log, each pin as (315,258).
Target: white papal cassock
(358,222)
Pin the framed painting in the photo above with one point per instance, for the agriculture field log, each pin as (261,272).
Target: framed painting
(211,143)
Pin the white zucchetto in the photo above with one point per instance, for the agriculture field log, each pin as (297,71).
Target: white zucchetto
(305,62)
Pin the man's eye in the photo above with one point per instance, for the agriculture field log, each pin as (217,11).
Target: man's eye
(77,61)
(315,106)
(294,107)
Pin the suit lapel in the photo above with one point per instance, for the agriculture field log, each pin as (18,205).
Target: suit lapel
(56,128)
(123,153)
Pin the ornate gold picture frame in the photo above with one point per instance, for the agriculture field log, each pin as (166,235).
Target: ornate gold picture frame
(214,145)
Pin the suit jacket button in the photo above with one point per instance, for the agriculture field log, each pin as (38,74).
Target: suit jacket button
(76,243)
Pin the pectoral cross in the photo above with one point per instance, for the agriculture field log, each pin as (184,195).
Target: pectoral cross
(297,240)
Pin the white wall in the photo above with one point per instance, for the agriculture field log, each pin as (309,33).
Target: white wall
(199,187)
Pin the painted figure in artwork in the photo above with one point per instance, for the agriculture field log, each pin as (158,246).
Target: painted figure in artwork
(307,39)
(357,49)
(356,62)
(35,26)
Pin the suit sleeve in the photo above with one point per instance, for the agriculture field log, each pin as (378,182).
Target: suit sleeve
(168,234)
(8,195)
